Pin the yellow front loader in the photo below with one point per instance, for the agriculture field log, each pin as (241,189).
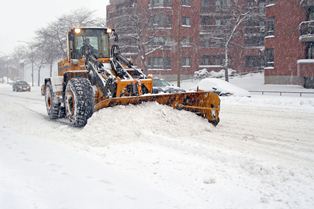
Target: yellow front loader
(95,75)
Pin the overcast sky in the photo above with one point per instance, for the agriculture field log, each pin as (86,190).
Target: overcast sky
(20,18)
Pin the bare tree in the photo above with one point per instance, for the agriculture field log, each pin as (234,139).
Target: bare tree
(55,34)
(225,33)
(47,48)
(30,56)
(137,30)
(40,59)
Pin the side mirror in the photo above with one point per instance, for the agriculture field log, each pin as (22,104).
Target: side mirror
(116,37)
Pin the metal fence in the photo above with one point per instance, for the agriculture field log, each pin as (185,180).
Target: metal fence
(281,93)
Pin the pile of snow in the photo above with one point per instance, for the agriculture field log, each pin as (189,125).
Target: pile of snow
(141,122)
(204,73)
(214,84)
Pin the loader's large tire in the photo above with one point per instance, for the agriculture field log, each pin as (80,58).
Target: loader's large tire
(52,104)
(79,101)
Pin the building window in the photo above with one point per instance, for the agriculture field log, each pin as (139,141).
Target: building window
(161,3)
(311,13)
(222,4)
(159,62)
(186,42)
(210,42)
(253,40)
(186,62)
(270,26)
(205,3)
(269,57)
(261,7)
(160,41)
(310,50)
(221,21)
(186,21)
(161,21)
(186,2)
(268,2)
(212,60)
(253,61)
(205,20)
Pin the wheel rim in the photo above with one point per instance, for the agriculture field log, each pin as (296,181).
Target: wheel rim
(48,98)
(70,103)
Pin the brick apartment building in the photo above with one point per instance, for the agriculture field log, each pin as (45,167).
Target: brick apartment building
(289,42)
(198,26)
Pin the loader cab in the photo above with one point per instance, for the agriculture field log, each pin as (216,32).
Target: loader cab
(97,38)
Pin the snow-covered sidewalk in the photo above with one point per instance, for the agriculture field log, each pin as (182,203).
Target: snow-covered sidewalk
(149,156)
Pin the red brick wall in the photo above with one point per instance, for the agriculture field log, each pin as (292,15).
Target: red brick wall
(287,47)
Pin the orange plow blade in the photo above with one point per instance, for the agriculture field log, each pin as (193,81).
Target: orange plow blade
(204,104)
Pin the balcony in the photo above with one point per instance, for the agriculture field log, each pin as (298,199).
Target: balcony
(306,67)
(306,31)
(307,3)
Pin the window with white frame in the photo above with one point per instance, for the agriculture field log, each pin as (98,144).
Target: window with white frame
(186,42)
(161,20)
(159,62)
(186,2)
(186,21)
(161,3)
(269,57)
(186,62)
(212,60)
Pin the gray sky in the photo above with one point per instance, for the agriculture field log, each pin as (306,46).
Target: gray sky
(20,18)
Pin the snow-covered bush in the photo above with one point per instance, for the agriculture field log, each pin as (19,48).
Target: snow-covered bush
(201,74)
(204,73)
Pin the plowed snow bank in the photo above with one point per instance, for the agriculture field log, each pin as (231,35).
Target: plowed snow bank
(142,121)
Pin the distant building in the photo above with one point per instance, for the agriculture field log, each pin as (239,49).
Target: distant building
(199,28)
(289,42)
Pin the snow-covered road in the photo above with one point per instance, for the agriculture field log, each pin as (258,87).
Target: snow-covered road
(149,156)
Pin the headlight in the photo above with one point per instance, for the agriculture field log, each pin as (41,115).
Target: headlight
(77,30)
(109,30)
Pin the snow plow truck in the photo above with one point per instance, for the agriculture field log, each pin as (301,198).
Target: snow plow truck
(95,75)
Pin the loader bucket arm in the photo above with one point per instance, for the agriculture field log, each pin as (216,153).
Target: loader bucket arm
(204,104)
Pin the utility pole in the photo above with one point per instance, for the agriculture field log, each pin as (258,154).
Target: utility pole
(179,19)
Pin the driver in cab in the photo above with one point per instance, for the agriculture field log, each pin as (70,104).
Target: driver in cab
(87,49)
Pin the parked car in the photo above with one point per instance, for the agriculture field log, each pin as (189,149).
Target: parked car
(20,86)
(163,86)
(221,87)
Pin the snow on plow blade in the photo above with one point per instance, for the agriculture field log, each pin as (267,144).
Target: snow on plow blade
(204,104)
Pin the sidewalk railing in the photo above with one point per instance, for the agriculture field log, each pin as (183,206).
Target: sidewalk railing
(283,92)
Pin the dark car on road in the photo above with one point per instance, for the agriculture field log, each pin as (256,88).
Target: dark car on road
(163,86)
(20,86)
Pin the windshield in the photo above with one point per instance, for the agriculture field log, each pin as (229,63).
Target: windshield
(96,39)
(21,83)
(161,83)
